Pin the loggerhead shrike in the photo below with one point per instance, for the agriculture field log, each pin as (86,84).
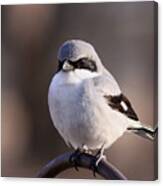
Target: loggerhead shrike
(86,104)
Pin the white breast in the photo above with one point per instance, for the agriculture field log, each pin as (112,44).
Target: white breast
(80,113)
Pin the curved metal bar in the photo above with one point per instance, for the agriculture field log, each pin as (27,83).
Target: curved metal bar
(61,163)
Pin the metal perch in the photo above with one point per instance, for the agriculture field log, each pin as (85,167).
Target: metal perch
(61,163)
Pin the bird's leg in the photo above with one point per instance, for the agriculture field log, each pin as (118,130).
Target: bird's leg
(76,155)
(98,157)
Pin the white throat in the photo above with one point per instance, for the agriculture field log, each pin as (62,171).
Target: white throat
(74,77)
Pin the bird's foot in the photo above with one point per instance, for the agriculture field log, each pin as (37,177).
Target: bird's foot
(100,158)
(95,162)
(75,157)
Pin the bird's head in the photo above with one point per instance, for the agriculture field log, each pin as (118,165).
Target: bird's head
(78,55)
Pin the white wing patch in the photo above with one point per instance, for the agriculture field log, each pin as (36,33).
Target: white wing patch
(123,104)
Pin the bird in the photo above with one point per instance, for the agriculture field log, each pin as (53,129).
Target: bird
(86,104)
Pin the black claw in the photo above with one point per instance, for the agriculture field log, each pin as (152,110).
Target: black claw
(93,166)
(95,161)
(74,159)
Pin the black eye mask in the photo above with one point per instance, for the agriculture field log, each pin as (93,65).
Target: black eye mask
(83,63)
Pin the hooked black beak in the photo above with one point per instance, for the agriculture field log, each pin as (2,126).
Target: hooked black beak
(67,66)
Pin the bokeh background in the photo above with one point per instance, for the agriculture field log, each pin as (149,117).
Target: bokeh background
(124,35)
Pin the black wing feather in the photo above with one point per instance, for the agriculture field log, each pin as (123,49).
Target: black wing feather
(115,103)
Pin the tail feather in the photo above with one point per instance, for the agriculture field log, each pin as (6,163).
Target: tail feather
(145,131)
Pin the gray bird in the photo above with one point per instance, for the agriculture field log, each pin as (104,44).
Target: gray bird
(86,104)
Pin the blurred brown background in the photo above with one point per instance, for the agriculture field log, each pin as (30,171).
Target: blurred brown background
(123,35)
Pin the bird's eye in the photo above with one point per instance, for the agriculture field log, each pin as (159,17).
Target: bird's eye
(85,63)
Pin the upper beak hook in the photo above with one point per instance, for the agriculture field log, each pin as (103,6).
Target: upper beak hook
(67,66)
